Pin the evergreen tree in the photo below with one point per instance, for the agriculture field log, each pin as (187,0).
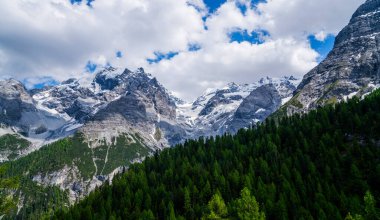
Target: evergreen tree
(313,166)
(247,207)
(171,212)
(217,208)
(147,215)
(370,207)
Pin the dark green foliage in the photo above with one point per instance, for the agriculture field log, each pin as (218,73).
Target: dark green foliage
(12,145)
(217,208)
(39,201)
(316,166)
(371,212)
(247,207)
(7,202)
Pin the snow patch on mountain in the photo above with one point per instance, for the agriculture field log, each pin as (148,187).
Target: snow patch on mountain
(212,113)
(117,101)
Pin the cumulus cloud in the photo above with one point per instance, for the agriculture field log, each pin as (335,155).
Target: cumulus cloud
(45,39)
(300,17)
(56,38)
(286,51)
(234,62)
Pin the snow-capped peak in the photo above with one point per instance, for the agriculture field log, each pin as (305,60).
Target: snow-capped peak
(212,111)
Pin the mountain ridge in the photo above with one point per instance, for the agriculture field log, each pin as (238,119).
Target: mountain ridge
(117,118)
(123,99)
(350,69)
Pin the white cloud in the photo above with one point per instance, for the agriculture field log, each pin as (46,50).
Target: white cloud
(321,36)
(216,65)
(52,38)
(286,52)
(297,17)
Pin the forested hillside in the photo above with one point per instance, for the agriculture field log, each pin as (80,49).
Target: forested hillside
(323,165)
(12,146)
(46,180)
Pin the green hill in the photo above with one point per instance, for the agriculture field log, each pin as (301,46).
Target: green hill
(32,186)
(315,166)
(12,145)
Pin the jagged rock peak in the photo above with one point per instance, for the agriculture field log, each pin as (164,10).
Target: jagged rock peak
(350,69)
(366,8)
(12,88)
(111,77)
(364,22)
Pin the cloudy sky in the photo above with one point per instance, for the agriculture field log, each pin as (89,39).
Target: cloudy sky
(189,45)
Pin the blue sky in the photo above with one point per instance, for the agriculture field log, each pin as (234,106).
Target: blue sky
(162,56)
(322,47)
(256,37)
(40,82)
(91,66)
(242,42)
(213,5)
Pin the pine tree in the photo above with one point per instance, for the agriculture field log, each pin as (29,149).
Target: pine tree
(171,212)
(217,208)
(370,207)
(187,201)
(247,207)
(147,215)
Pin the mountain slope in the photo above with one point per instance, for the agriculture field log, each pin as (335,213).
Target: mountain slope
(350,69)
(114,101)
(236,106)
(67,170)
(88,106)
(19,111)
(109,121)
(316,166)
(12,146)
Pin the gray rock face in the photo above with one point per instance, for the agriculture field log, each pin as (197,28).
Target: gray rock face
(133,105)
(57,111)
(220,99)
(238,106)
(144,104)
(117,101)
(262,102)
(351,68)
(14,100)
(130,106)
(108,83)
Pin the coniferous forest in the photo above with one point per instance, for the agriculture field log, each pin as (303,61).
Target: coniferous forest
(323,165)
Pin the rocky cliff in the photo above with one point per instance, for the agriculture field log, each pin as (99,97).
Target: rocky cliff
(350,69)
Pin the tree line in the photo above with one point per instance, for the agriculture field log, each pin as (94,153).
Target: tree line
(315,166)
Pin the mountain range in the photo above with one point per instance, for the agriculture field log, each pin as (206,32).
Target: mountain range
(72,137)
(350,69)
(117,101)
(114,118)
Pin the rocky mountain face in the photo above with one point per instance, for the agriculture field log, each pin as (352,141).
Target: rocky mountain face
(18,109)
(118,117)
(114,102)
(82,100)
(236,106)
(351,68)
(114,118)
(52,113)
